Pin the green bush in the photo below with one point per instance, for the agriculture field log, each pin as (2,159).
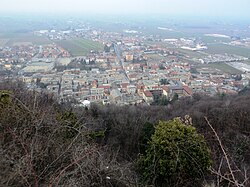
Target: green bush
(5,97)
(177,155)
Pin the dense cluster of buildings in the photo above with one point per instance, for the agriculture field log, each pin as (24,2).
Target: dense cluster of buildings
(127,71)
(26,57)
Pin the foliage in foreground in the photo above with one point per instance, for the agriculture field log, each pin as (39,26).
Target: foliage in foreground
(46,144)
(176,154)
(43,143)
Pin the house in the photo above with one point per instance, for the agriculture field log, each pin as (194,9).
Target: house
(131,89)
(165,91)
(176,90)
(133,77)
(124,87)
(148,96)
(97,91)
(187,91)
(106,87)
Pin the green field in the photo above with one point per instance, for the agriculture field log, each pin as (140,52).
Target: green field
(79,47)
(223,48)
(153,30)
(210,39)
(224,68)
(15,38)
(191,54)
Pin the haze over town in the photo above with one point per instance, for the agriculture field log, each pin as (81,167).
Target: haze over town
(197,8)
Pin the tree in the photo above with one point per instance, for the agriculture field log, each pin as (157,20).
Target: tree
(175,98)
(176,156)
(164,81)
(145,136)
(161,67)
(106,48)
(44,143)
(4,98)
(164,100)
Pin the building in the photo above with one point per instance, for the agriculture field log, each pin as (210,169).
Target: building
(148,96)
(129,57)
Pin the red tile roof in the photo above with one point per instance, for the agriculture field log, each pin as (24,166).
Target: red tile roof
(166,88)
(148,93)
(188,90)
(124,85)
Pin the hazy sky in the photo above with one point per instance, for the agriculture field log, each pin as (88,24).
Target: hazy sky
(220,8)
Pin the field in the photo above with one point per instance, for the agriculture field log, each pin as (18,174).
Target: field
(3,42)
(164,33)
(17,38)
(224,68)
(247,62)
(191,54)
(156,57)
(210,39)
(80,47)
(223,48)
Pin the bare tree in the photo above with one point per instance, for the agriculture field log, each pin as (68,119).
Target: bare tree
(230,174)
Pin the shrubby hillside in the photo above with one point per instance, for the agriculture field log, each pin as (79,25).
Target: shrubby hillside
(44,143)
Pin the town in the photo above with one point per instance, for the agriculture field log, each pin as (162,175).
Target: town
(91,65)
(125,93)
